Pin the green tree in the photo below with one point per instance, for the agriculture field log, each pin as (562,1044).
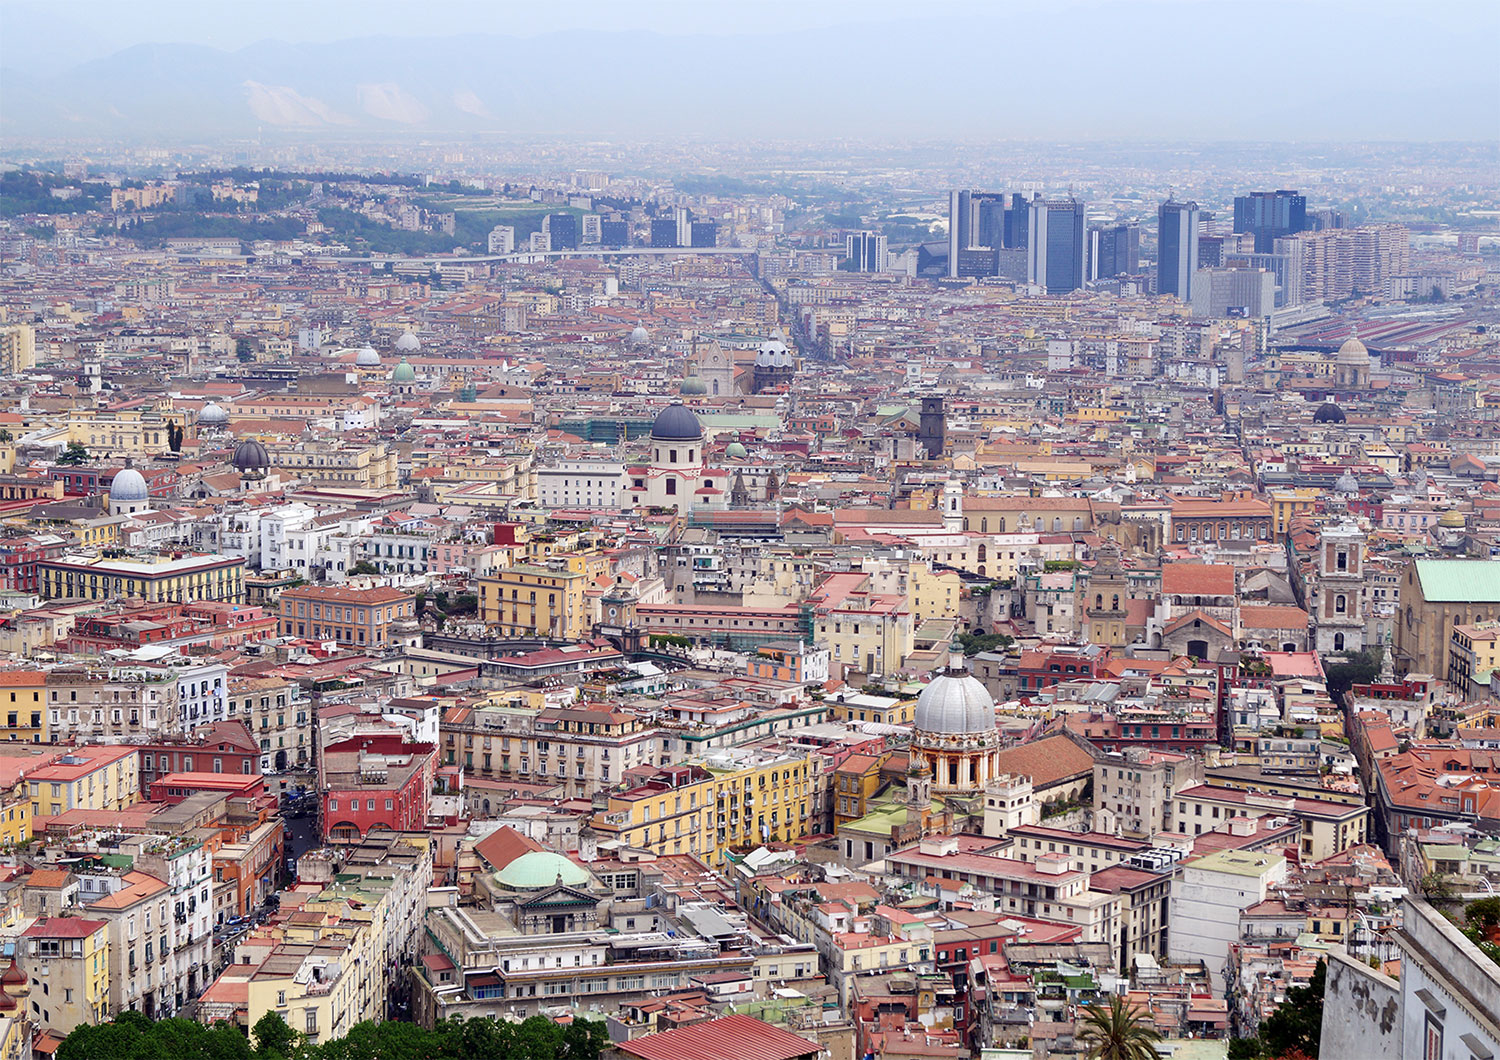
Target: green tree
(76,453)
(1436,887)
(364,566)
(1244,1049)
(1297,1023)
(274,1040)
(1114,1031)
(174,437)
(1361,668)
(131,1036)
(5,435)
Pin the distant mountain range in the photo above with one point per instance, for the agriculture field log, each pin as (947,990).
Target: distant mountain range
(1201,71)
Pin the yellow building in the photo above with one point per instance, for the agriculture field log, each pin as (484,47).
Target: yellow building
(17,349)
(855,783)
(869,631)
(115,434)
(154,578)
(96,777)
(1473,653)
(331,464)
(66,960)
(864,706)
(1287,504)
(534,600)
(23,699)
(735,799)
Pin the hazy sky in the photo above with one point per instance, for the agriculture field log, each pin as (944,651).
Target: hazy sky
(1053,69)
(100,25)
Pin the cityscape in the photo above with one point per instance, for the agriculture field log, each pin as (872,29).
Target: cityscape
(590,535)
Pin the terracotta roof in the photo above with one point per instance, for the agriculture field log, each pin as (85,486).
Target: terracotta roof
(738,1036)
(1275,616)
(1197,579)
(504,845)
(1046,761)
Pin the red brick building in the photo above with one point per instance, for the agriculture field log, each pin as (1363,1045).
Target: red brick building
(223,747)
(375,780)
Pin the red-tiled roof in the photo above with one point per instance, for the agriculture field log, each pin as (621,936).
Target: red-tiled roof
(736,1037)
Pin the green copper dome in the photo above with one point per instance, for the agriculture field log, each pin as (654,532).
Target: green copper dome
(540,869)
(735,451)
(404,373)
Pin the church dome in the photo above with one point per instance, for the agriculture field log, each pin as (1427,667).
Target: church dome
(1353,353)
(1453,519)
(1347,483)
(367,358)
(404,373)
(539,869)
(13,975)
(735,451)
(693,386)
(1328,412)
(773,354)
(250,456)
(955,703)
(639,336)
(408,342)
(676,423)
(211,415)
(128,487)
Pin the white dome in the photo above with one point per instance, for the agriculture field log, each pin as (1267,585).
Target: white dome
(408,342)
(367,358)
(211,415)
(955,703)
(1347,483)
(639,336)
(128,486)
(1353,353)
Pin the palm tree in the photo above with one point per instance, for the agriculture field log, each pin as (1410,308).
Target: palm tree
(1115,1032)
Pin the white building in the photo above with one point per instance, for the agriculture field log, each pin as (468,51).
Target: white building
(1445,1005)
(1208,896)
(581,484)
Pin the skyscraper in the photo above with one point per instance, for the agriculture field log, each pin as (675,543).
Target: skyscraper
(562,229)
(704,233)
(1176,248)
(866,251)
(1055,247)
(1270,215)
(978,222)
(1114,250)
(664,232)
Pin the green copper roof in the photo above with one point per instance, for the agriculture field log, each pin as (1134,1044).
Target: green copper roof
(1460,580)
(539,869)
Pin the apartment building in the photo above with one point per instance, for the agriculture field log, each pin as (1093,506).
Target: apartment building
(582,749)
(1047,888)
(155,578)
(89,778)
(142,939)
(537,600)
(355,618)
(735,798)
(67,960)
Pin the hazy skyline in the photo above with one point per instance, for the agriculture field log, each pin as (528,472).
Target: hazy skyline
(1089,69)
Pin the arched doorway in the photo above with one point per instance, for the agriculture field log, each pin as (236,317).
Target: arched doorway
(280,761)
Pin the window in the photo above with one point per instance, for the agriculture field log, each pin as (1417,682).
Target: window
(312,1021)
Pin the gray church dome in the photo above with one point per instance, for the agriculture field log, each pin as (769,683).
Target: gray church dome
(954,703)
(129,486)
